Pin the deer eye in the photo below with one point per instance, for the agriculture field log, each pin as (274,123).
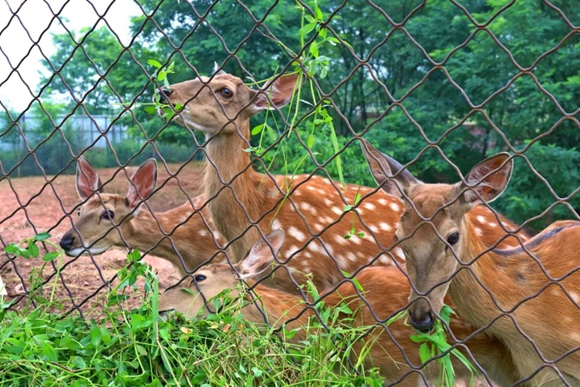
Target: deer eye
(108,215)
(453,238)
(200,278)
(226,93)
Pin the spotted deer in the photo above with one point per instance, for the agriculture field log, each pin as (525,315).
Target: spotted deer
(183,235)
(392,351)
(310,209)
(527,296)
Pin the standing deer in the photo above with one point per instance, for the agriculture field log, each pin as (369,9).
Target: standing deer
(310,209)
(183,235)
(384,290)
(528,296)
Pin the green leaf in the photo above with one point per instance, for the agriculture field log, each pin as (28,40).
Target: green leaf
(24,252)
(424,353)
(310,141)
(151,109)
(257,129)
(318,13)
(154,63)
(41,237)
(12,249)
(306,29)
(33,249)
(313,49)
(50,256)
(161,76)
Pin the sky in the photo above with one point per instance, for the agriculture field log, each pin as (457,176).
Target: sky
(35,16)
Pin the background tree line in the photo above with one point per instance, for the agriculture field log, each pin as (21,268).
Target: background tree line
(414,79)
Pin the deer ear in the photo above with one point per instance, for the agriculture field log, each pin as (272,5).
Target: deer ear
(261,255)
(143,183)
(488,179)
(88,181)
(217,70)
(383,168)
(276,95)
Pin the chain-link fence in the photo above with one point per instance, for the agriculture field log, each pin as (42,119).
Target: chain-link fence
(437,85)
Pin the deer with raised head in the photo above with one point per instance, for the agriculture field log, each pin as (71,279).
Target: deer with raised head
(310,209)
(183,235)
(385,290)
(527,296)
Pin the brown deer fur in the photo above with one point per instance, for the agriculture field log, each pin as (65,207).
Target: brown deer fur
(312,212)
(391,351)
(527,296)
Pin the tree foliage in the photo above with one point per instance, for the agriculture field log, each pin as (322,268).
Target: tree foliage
(420,80)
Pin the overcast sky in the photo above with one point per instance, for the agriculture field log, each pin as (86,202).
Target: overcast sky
(35,17)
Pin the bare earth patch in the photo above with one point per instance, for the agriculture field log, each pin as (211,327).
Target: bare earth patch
(32,205)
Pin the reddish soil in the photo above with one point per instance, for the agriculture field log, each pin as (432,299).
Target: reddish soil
(32,205)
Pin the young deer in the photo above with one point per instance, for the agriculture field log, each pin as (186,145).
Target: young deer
(183,235)
(308,208)
(526,296)
(392,350)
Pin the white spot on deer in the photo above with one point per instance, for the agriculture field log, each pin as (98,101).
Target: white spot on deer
(575,337)
(385,260)
(307,207)
(291,250)
(307,254)
(374,228)
(369,206)
(310,188)
(306,269)
(328,202)
(202,232)
(385,226)
(336,210)
(478,231)
(480,219)
(276,225)
(340,260)
(296,234)
(492,224)
(318,227)
(340,240)
(399,253)
(394,206)
(315,247)
(351,257)
(575,296)
(383,201)
(327,220)
(273,192)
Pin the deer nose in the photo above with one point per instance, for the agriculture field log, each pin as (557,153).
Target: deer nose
(423,321)
(164,94)
(66,242)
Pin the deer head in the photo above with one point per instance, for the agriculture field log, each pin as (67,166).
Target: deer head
(430,230)
(221,103)
(208,282)
(96,229)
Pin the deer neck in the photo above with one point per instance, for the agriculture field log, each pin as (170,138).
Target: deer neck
(147,232)
(234,190)
(490,271)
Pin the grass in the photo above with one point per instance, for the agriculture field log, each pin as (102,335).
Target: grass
(135,347)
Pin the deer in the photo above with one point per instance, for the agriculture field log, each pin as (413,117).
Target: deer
(184,235)
(526,296)
(392,350)
(245,204)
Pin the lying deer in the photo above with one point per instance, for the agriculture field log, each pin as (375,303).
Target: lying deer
(310,209)
(528,296)
(183,235)
(391,351)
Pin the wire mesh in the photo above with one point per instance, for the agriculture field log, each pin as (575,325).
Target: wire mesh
(431,82)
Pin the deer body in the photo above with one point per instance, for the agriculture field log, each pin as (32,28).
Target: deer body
(527,296)
(309,209)
(391,351)
(183,235)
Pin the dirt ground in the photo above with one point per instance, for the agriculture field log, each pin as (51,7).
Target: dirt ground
(32,205)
